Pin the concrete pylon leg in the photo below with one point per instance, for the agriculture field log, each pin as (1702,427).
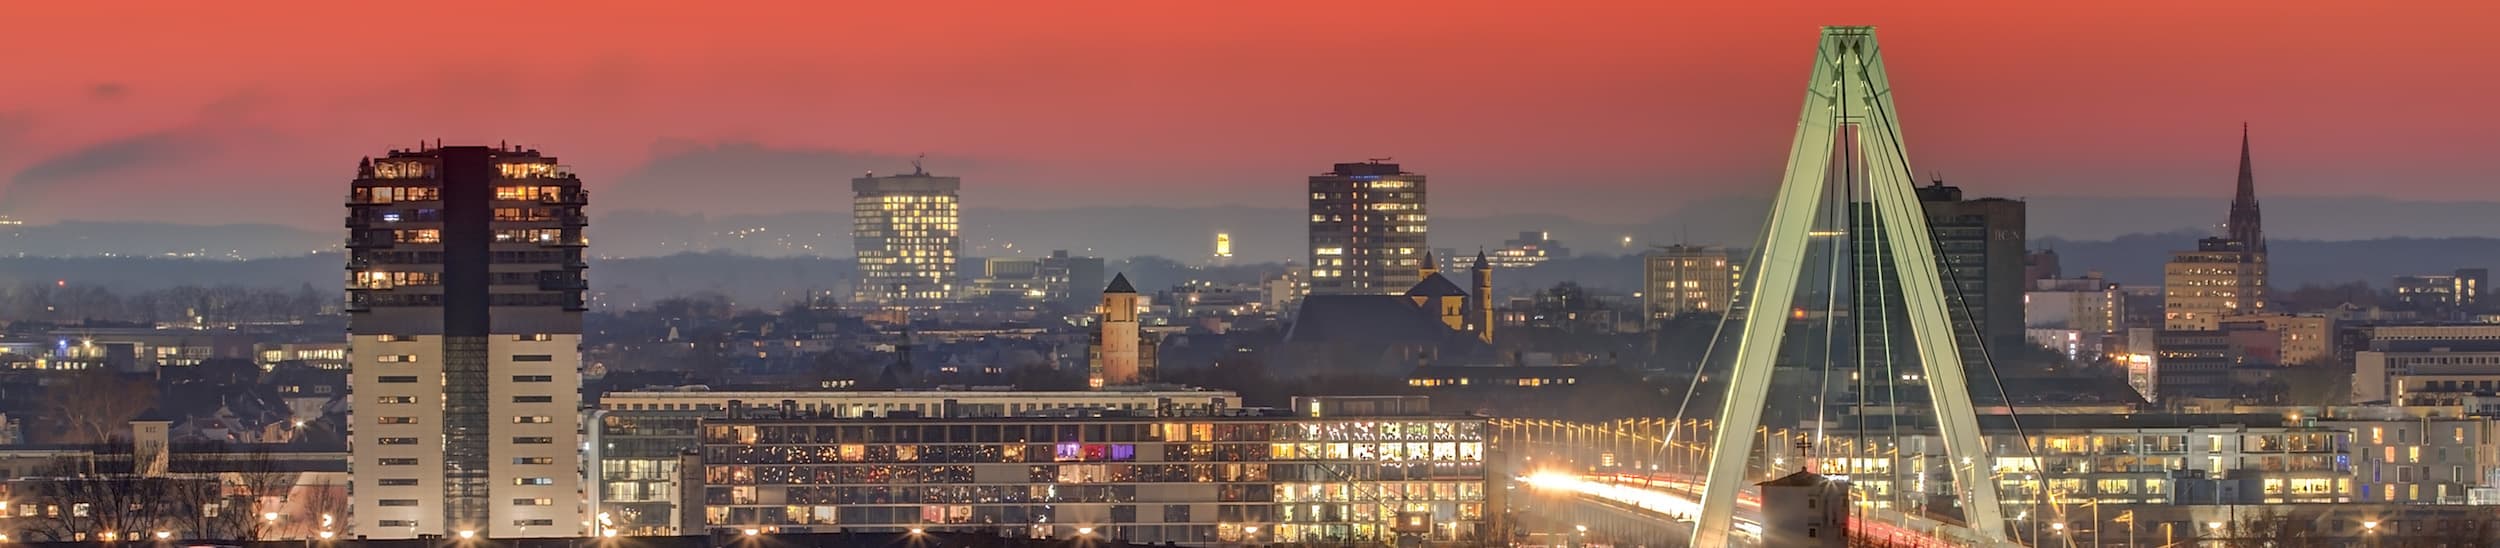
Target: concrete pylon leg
(1848,92)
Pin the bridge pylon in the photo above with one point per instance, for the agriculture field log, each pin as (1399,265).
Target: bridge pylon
(1847,93)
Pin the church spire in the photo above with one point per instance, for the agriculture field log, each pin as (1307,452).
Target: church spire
(2244,225)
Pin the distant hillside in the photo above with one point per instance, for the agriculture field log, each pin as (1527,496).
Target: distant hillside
(1276,234)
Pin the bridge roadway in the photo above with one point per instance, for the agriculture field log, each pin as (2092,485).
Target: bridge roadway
(1653,497)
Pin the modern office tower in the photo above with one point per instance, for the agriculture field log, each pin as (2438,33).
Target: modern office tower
(464,301)
(2220,279)
(1367,229)
(1072,280)
(1116,355)
(1686,279)
(2224,276)
(1980,242)
(1223,246)
(904,231)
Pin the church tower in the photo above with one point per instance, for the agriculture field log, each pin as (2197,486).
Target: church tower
(1115,346)
(1483,271)
(2245,225)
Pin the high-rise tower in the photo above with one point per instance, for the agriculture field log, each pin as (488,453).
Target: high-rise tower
(905,237)
(1367,229)
(464,300)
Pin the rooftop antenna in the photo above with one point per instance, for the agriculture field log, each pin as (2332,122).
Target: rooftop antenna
(915,164)
(1380,160)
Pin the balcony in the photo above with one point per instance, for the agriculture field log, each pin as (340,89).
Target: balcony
(574,196)
(371,240)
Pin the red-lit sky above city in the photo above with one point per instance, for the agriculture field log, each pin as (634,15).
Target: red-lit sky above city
(257,111)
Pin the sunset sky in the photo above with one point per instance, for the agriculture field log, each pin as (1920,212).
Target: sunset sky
(218,112)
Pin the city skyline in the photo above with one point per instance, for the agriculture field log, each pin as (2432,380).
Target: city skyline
(1501,106)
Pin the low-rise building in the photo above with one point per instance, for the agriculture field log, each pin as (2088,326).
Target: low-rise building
(639,437)
(1204,480)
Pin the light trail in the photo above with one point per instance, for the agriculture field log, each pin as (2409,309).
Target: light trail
(1646,499)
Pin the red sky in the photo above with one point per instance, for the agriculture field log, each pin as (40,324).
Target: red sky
(257,111)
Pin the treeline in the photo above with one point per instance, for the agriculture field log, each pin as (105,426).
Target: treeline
(73,303)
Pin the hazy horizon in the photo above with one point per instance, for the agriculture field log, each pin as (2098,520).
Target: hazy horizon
(1608,113)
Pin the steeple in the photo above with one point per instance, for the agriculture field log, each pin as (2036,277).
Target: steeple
(2244,225)
(1430,266)
(1483,299)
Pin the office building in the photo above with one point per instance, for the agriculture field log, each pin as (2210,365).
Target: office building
(2193,364)
(1686,279)
(1367,229)
(2220,279)
(1979,244)
(904,229)
(1529,249)
(464,301)
(1070,280)
(2224,276)
(2461,289)
(2402,458)
(2298,339)
(2427,365)
(638,438)
(1227,479)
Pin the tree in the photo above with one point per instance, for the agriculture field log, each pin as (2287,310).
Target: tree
(79,502)
(90,406)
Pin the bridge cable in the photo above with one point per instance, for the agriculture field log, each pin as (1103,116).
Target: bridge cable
(1995,377)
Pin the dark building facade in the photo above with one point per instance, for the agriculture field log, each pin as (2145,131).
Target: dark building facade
(1980,245)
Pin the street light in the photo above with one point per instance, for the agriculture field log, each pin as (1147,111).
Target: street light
(751,532)
(1581,528)
(466,534)
(2059,527)
(916,531)
(1085,531)
(325,535)
(162,535)
(2370,526)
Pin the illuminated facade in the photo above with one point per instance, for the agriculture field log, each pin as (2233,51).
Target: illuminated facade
(1199,481)
(2462,289)
(2220,279)
(1687,279)
(464,300)
(904,229)
(638,438)
(2105,459)
(1367,230)
(1529,249)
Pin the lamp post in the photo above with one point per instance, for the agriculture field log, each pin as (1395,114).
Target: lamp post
(2369,530)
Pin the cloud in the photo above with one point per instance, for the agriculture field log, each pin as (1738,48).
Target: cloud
(219,123)
(108,91)
(739,176)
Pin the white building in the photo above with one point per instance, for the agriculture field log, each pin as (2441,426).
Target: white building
(465,295)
